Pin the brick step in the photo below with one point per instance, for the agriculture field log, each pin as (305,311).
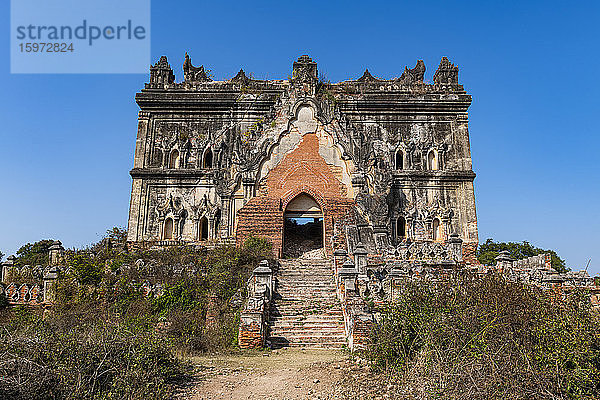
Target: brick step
(312,303)
(309,305)
(292,331)
(317,295)
(320,276)
(288,323)
(304,288)
(323,345)
(300,288)
(310,338)
(299,315)
(306,282)
(307,312)
(306,309)
(317,318)
(304,305)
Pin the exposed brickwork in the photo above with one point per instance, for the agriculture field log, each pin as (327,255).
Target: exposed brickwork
(250,336)
(469,250)
(303,170)
(361,332)
(304,167)
(262,217)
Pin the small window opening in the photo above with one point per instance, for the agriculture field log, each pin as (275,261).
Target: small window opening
(437,229)
(174,159)
(208,159)
(168,229)
(203,228)
(401,228)
(432,161)
(399,160)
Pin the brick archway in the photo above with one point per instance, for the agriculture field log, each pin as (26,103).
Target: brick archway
(303,229)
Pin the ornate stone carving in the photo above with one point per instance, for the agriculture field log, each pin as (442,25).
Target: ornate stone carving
(367,77)
(172,206)
(241,78)
(305,70)
(194,74)
(414,75)
(446,74)
(161,73)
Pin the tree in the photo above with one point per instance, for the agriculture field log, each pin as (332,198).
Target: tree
(1,255)
(117,235)
(488,251)
(87,272)
(34,254)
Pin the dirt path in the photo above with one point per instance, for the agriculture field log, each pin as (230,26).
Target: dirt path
(284,374)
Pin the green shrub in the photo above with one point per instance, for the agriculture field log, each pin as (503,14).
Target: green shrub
(87,271)
(488,339)
(258,247)
(181,296)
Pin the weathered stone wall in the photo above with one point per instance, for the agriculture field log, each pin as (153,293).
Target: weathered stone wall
(227,156)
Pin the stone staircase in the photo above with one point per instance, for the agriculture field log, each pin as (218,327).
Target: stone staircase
(306,310)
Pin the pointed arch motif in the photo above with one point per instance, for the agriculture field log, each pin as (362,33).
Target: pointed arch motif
(207,158)
(168,229)
(436,227)
(401,228)
(204,229)
(432,160)
(399,159)
(174,159)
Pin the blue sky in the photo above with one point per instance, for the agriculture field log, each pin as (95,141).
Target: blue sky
(67,141)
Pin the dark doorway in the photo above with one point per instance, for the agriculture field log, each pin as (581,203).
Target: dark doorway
(303,229)
(203,228)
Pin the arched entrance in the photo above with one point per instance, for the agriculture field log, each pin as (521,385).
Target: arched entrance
(303,234)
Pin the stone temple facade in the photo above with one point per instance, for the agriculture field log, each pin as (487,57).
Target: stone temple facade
(378,165)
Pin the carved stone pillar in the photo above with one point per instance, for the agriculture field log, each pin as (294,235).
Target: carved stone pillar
(6,267)
(455,246)
(504,261)
(263,279)
(226,228)
(50,278)
(360,258)
(56,253)
(339,256)
(348,277)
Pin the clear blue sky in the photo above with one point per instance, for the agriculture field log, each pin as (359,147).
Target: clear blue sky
(531,67)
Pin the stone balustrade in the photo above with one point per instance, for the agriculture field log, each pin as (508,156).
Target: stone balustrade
(253,327)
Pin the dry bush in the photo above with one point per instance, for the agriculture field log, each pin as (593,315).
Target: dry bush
(101,359)
(487,339)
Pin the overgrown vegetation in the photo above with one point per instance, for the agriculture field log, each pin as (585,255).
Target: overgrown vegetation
(104,338)
(34,254)
(488,339)
(488,251)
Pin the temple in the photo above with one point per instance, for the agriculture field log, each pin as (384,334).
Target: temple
(378,165)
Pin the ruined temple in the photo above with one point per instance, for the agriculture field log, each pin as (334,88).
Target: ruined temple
(382,165)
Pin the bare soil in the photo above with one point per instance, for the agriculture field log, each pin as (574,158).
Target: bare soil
(279,374)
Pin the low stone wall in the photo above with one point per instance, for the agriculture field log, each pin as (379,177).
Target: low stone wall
(358,319)
(24,294)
